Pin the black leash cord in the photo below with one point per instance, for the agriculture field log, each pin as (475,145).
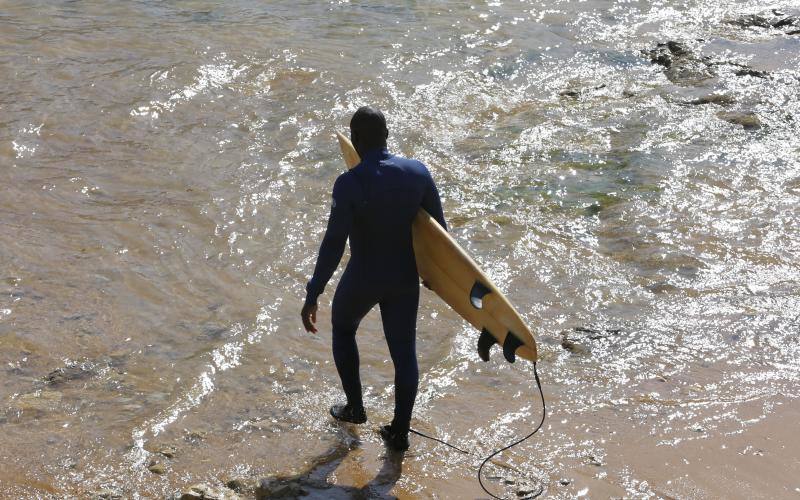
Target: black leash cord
(465,452)
(501,450)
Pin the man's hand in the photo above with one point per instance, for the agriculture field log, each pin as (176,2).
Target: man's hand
(309,315)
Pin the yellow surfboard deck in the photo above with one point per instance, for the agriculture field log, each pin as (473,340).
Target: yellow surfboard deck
(457,279)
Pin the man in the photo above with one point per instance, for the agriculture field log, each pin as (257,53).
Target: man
(374,204)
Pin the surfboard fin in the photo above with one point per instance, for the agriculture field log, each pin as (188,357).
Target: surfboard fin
(510,346)
(479,290)
(485,343)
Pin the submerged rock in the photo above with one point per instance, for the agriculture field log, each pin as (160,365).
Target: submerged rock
(240,484)
(747,119)
(157,468)
(207,492)
(69,373)
(595,460)
(719,99)
(168,450)
(683,67)
(107,494)
(575,347)
(680,64)
(194,436)
(38,401)
(280,488)
(578,340)
(578,92)
(748,71)
(773,19)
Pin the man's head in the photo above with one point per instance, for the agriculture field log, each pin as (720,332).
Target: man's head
(368,129)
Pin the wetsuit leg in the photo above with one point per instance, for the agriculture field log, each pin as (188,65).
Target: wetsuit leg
(399,316)
(350,304)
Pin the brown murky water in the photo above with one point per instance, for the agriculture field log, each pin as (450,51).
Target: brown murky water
(166,169)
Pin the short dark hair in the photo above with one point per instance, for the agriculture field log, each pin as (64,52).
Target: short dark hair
(368,129)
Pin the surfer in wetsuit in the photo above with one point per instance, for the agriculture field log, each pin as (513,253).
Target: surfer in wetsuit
(374,204)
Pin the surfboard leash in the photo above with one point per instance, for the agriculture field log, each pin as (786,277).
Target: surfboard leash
(501,450)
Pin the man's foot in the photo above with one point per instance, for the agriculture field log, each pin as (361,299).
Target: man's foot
(397,441)
(347,413)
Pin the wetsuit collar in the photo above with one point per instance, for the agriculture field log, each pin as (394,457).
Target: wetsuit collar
(375,155)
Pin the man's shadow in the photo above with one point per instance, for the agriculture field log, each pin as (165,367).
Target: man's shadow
(314,483)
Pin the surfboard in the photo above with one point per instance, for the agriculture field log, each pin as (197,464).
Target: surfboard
(455,277)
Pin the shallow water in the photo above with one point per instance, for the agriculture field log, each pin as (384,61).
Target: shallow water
(166,169)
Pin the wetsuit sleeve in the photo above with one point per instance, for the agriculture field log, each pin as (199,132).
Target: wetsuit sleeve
(332,248)
(432,203)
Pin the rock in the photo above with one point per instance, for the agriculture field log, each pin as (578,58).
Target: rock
(748,120)
(662,287)
(596,461)
(577,340)
(774,19)
(194,436)
(157,468)
(575,347)
(214,332)
(680,63)
(786,21)
(107,493)
(747,71)
(168,451)
(239,484)
(279,489)
(575,93)
(564,481)
(719,99)
(68,373)
(752,20)
(207,492)
(38,401)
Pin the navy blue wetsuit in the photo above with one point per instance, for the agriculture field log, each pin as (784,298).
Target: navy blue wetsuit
(374,204)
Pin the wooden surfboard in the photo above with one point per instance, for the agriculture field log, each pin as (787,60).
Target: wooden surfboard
(457,279)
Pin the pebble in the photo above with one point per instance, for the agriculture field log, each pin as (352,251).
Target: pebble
(157,468)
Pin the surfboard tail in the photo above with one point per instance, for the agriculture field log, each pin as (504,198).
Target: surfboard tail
(510,346)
